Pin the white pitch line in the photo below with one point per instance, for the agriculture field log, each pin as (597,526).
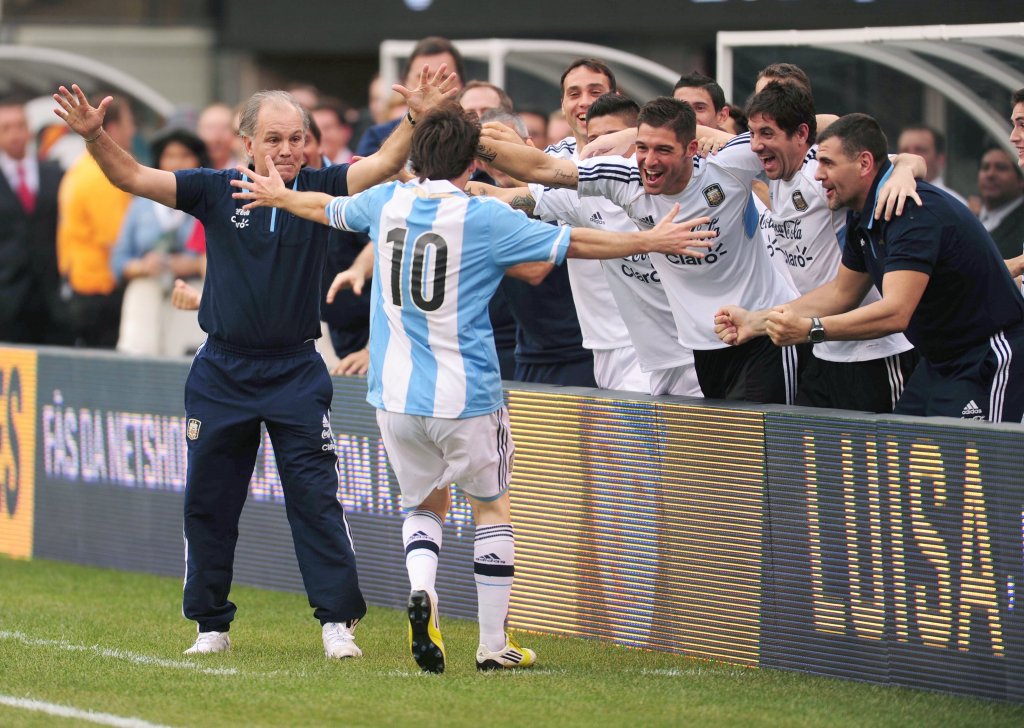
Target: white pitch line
(116,654)
(66,711)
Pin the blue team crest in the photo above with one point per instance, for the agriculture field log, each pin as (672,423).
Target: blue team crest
(798,201)
(714,194)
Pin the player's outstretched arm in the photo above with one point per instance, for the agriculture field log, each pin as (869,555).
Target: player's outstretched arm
(118,165)
(523,162)
(682,238)
(390,158)
(271,191)
(736,325)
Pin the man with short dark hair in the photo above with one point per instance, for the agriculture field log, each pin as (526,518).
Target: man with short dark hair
(436,260)
(941,279)
(260,309)
(705,96)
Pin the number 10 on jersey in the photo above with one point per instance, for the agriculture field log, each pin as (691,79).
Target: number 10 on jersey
(428,265)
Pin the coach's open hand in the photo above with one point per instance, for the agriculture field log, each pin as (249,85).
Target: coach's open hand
(74,109)
(268,191)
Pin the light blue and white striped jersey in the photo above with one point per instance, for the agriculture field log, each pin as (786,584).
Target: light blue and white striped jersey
(438,258)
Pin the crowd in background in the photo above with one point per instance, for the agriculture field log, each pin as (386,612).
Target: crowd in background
(84,264)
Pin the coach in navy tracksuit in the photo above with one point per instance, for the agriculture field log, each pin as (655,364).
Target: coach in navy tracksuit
(942,281)
(260,309)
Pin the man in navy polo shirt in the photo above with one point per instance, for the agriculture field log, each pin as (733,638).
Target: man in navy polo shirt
(942,280)
(261,311)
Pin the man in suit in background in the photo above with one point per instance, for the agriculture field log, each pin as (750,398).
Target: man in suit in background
(30,308)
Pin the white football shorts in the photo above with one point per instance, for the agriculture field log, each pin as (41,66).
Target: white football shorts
(429,453)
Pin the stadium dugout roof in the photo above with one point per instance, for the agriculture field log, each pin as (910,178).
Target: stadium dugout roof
(938,56)
(35,70)
(544,59)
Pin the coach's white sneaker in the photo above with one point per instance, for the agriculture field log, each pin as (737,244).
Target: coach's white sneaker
(208,642)
(339,642)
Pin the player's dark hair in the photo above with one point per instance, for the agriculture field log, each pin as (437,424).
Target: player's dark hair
(739,119)
(591,64)
(696,79)
(858,133)
(444,142)
(786,73)
(613,104)
(938,138)
(1017,98)
(788,105)
(435,45)
(666,112)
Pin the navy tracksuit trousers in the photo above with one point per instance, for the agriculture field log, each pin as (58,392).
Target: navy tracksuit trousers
(229,391)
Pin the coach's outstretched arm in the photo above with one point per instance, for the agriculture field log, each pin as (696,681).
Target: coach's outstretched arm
(118,165)
(390,158)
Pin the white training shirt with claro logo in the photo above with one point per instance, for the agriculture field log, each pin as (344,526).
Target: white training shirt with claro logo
(736,269)
(633,281)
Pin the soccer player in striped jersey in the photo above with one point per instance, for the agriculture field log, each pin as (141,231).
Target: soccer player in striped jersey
(664,173)
(809,237)
(436,259)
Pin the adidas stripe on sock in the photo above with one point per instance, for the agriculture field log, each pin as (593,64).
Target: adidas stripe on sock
(494,556)
(421,533)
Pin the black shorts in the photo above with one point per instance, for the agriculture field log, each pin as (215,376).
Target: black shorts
(986,382)
(757,371)
(866,386)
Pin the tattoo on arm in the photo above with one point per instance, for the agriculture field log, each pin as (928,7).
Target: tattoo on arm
(523,202)
(485,154)
(563,176)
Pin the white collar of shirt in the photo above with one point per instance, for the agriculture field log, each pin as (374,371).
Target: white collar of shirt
(992,218)
(437,187)
(9,165)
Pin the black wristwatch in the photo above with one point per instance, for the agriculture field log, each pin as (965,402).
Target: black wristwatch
(817,333)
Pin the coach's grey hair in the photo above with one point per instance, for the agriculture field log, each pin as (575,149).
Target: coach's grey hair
(251,110)
(507,118)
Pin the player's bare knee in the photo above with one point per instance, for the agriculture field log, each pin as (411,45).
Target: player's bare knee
(491,512)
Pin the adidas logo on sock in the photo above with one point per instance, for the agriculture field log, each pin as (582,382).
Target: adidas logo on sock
(647,220)
(972,409)
(418,535)
(491,558)
(597,219)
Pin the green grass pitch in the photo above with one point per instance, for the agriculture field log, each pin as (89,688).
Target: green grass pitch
(111,642)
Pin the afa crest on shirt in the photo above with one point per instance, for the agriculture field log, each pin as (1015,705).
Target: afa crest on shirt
(192,433)
(799,202)
(714,194)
